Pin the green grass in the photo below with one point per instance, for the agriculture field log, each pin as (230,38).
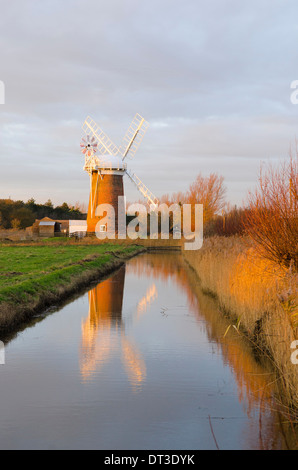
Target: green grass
(27,272)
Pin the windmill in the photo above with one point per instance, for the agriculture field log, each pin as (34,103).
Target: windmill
(106,166)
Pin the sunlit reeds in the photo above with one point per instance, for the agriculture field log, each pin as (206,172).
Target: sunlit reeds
(260,294)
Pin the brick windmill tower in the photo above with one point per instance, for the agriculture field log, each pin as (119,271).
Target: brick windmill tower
(106,166)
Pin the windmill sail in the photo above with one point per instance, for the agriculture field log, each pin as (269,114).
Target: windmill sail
(133,136)
(105,145)
(142,188)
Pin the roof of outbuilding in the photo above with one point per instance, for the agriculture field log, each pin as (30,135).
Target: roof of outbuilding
(48,223)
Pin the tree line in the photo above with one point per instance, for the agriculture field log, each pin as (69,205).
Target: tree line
(20,214)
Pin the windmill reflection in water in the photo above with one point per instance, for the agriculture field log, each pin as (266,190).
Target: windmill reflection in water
(103,331)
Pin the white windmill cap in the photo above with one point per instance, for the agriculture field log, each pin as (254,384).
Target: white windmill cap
(110,162)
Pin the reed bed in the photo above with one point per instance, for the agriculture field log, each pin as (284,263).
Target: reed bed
(259,297)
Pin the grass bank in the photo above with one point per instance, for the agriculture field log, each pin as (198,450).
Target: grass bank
(33,277)
(260,298)
(171,243)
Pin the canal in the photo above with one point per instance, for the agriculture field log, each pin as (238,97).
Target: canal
(138,362)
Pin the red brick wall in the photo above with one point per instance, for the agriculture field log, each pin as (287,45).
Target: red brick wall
(105,190)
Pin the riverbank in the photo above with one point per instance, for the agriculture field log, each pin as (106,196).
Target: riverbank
(260,299)
(33,278)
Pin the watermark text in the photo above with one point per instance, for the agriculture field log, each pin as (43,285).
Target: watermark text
(163,221)
(294,355)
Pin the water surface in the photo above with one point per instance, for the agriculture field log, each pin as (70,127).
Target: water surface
(138,362)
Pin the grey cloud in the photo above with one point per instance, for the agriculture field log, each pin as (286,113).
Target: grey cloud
(212,77)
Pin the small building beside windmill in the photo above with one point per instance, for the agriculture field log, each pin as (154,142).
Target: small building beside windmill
(48,228)
(77,227)
(45,227)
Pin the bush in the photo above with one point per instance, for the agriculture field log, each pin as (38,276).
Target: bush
(228,224)
(272,221)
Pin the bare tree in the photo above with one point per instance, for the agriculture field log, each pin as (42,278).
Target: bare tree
(81,206)
(209,191)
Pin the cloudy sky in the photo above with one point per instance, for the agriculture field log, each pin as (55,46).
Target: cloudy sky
(212,77)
